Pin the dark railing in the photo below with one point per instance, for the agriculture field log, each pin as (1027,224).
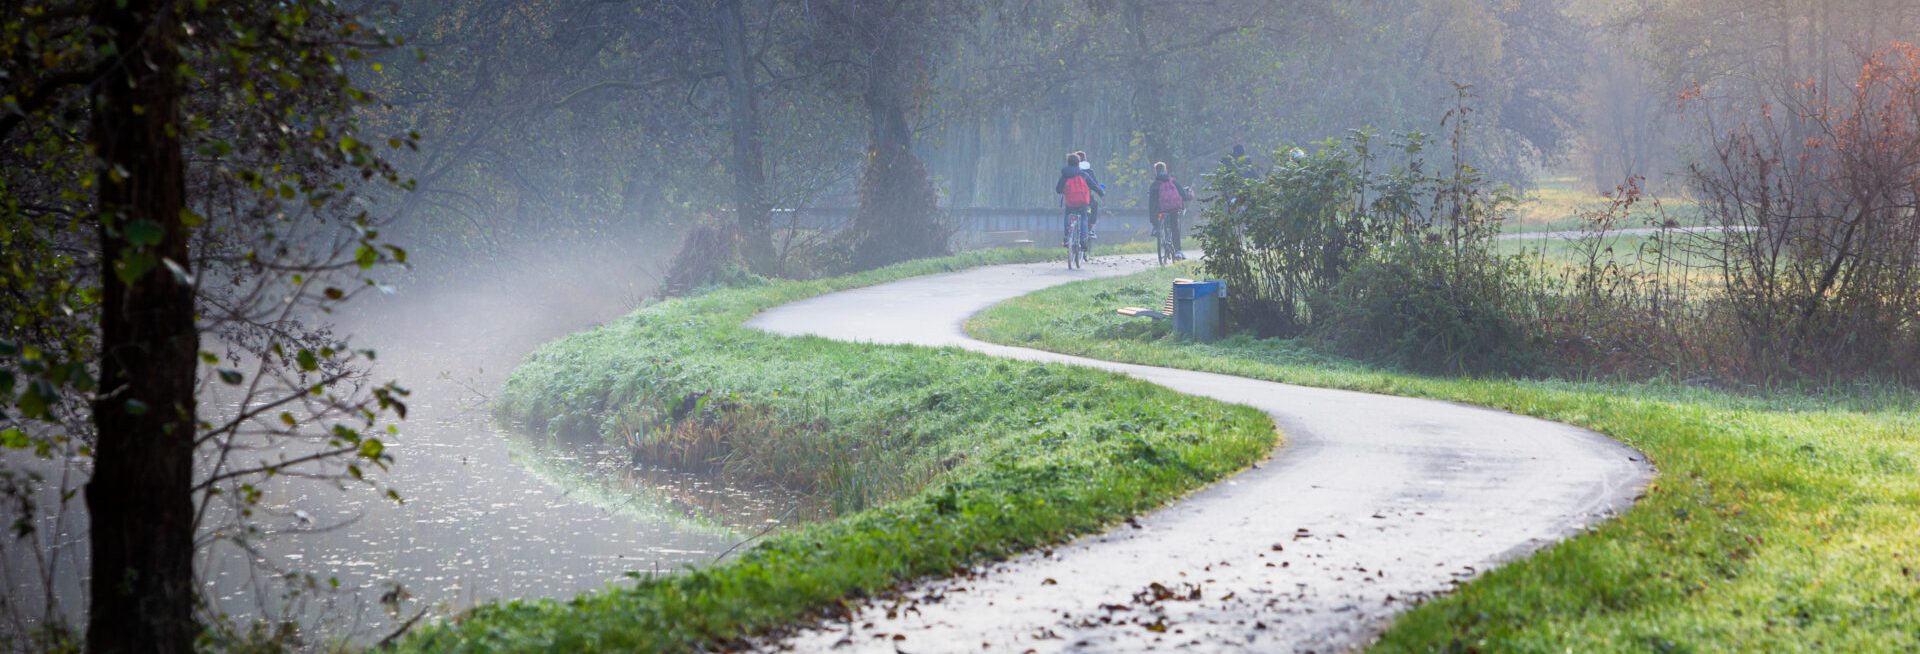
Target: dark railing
(992,226)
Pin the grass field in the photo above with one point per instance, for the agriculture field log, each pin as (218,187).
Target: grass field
(1679,260)
(935,458)
(1554,204)
(1776,524)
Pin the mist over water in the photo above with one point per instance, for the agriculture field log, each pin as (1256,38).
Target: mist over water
(486,515)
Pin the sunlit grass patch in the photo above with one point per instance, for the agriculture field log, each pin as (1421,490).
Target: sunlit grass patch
(1777,523)
(1678,261)
(936,458)
(1555,204)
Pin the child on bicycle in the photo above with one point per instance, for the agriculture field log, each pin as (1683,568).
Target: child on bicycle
(1093,210)
(1076,188)
(1166,202)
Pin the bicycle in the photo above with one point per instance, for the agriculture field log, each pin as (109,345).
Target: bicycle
(1163,234)
(1079,248)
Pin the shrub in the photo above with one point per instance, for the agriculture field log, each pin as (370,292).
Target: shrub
(1429,311)
(1396,264)
(1819,204)
(709,257)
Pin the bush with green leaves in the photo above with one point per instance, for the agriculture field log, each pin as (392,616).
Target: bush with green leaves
(1370,249)
(1417,310)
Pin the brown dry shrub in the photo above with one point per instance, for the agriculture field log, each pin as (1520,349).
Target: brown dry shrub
(709,257)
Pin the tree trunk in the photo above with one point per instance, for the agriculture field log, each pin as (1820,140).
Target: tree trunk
(139,501)
(748,165)
(1149,112)
(1069,107)
(897,198)
(638,198)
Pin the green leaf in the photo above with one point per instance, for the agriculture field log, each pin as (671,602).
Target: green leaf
(133,265)
(143,233)
(308,362)
(231,377)
(136,407)
(371,448)
(38,401)
(366,257)
(81,379)
(13,439)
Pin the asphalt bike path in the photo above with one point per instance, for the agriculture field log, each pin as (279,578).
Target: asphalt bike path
(1372,504)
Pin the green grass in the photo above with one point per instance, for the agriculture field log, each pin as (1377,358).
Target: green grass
(1686,264)
(1554,204)
(1776,524)
(939,459)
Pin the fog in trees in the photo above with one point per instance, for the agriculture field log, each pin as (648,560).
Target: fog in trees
(263,266)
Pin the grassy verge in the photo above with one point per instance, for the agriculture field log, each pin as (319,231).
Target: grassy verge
(1782,523)
(939,458)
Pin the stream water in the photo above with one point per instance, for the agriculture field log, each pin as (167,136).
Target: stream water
(486,514)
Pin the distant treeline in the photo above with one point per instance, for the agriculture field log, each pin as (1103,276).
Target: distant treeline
(572,120)
(563,118)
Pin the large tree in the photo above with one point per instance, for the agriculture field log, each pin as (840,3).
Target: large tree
(885,54)
(180,176)
(139,500)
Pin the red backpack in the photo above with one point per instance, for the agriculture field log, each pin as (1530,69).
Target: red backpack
(1170,200)
(1077,192)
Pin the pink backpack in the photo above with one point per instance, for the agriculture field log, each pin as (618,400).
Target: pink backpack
(1170,199)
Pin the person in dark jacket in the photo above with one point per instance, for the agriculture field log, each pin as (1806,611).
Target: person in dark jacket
(1072,170)
(1093,212)
(1166,203)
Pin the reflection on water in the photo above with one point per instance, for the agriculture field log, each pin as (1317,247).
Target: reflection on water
(475,526)
(605,477)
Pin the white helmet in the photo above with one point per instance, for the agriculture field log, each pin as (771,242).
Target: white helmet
(1086,165)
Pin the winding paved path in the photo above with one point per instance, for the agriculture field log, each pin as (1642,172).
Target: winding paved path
(1374,502)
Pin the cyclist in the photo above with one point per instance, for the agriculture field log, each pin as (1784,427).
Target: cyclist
(1076,188)
(1093,210)
(1166,201)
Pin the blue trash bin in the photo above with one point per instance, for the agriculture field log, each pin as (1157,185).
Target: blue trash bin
(1198,309)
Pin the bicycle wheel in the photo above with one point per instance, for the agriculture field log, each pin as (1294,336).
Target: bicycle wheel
(1162,244)
(1073,242)
(1086,242)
